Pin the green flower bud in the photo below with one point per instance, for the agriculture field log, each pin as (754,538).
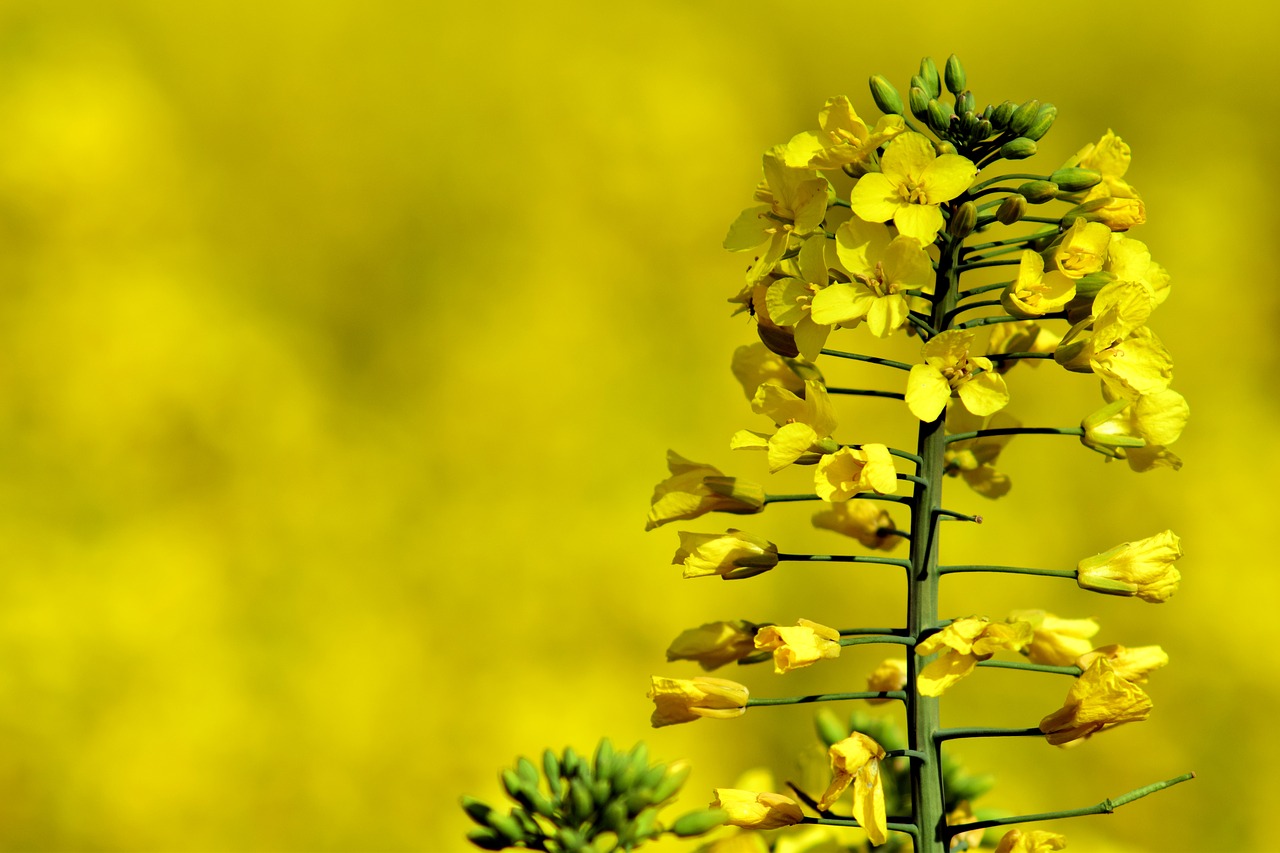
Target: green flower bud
(552,770)
(919,103)
(929,74)
(487,839)
(614,816)
(601,791)
(570,840)
(569,762)
(1011,209)
(945,147)
(513,784)
(1024,116)
(676,777)
(987,112)
(1018,149)
(1044,121)
(637,800)
(1038,192)
(885,96)
(581,804)
(940,114)
(642,827)
(650,778)
(477,810)
(604,759)
(830,729)
(954,75)
(507,826)
(968,124)
(527,772)
(983,130)
(1002,114)
(965,102)
(1089,285)
(699,822)
(1076,180)
(963,220)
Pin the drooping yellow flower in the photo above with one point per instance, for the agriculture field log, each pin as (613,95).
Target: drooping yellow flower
(695,488)
(1098,700)
(974,458)
(1034,292)
(866,521)
(1143,568)
(733,555)
(1024,336)
(1054,641)
(912,183)
(844,139)
(883,268)
(890,675)
(850,471)
(794,202)
(790,299)
(962,644)
(801,645)
(754,365)
(714,644)
(1130,664)
(677,700)
(752,810)
(949,370)
(856,759)
(1112,202)
(804,424)
(1138,431)
(1114,344)
(1034,841)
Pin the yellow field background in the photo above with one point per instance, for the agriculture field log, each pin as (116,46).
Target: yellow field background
(341,345)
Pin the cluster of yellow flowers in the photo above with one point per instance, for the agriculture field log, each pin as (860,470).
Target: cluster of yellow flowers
(874,226)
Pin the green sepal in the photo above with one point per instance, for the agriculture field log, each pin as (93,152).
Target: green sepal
(582,806)
(699,822)
(569,762)
(604,759)
(513,784)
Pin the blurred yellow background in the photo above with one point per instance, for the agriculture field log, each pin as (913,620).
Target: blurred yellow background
(341,344)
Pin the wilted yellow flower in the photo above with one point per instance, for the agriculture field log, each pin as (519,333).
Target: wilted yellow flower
(973,459)
(948,370)
(754,365)
(1034,292)
(912,183)
(858,757)
(790,299)
(1143,568)
(1099,699)
(963,643)
(866,521)
(1035,841)
(850,471)
(803,424)
(794,202)
(890,675)
(1130,664)
(1054,641)
(714,644)
(752,810)
(695,488)
(843,141)
(733,554)
(883,267)
(798,646)
(677,700)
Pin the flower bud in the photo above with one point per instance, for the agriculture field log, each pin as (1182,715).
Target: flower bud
(983,130)
(929,75)
(885,96)
(1002,114)
(945,147)
(940,114)
(963,220)
(965,102)
(1024,116)
(954,75)
(830,729)
(968,123)
(1076,179)
(699,822)
(1018,149)
(1038,192)
(918,100)
(1011,209)
(1043,121)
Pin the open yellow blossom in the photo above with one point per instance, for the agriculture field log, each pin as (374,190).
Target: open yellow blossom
(1130,260)
(949,370)
(1080,250)
(1130,664)
(850,471)
(1098,700)
(1137,431)
(1054,641)
(733,555)
(1114,344)
(962,644)
(754,365)
(794,203)
(1034,292)
(974,458)
(752,810)
(867,521)
(889,676)
(883,267)
(804,424)
(695,488)
(1034,841)
(1113,202)
(714,644)
(790,299)
(801,645)
(1143,568)
(844,139)
(677,700)
(912,183)
(856,759)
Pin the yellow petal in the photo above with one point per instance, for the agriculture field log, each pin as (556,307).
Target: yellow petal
(927,392)
(947,177)
(919,221)
(873,198)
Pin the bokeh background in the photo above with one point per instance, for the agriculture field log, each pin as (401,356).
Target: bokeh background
(341,344)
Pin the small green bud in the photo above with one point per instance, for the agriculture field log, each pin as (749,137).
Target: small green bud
(676,776)
(965,102)
(929,74)
(983,130)
(1002,114)
(830,730)
(513,784)
(477,810)
(643,827)
(1011,209)
(954,75)
(527,772)
(569,761)
(487,839)
(507,826)
(1024,116)
(601,791)
(651,777)
(614,816)
(582,805)
(1038,192)
(1088,285)
(919,103)
(1044,121)
(570,839)
(963,220)
(552,770)
(1075,180)
(940,114)
(987,112)
(637,800)
(604,758)
(968,124)
(699,822)
(885,96)
(945,147)
(1018,149)
(537,801)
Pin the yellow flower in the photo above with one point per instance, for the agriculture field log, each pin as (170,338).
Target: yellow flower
(802,645)
(1098,700)
(850,471)
(973,459)
(1130,664)
(1035,841)
(1114,344)
(865,521)
(804,423)
(911,185)
(882,267)
(1143,568)
(962,815)
(890,675)
(1081,249)
(1024,336)
(843,141)
(714,644)
(1056,642)
(1129,260)
(1034,292)
(733,555)
(963,643)
(752,810)
(949,370)
(858,757)
(789,300)
(1137,431)
(754,365)
(794,202)
(695,488)
(1112,202)
(677,700)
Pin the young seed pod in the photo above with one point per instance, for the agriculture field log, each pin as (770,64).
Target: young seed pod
(954,75)
(1024,116)
(885,96)
(1038,192)
(1011,209)
(1044,120)
(1076,180)
(1018,149)
(932,85)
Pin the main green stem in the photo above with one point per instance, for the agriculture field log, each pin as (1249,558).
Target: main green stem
(922,592)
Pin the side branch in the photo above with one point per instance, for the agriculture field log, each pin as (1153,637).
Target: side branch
(857,356)
(754,701)
(967,436)
(1009,570)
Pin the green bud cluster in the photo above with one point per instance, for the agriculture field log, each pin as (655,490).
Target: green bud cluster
(586,805)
